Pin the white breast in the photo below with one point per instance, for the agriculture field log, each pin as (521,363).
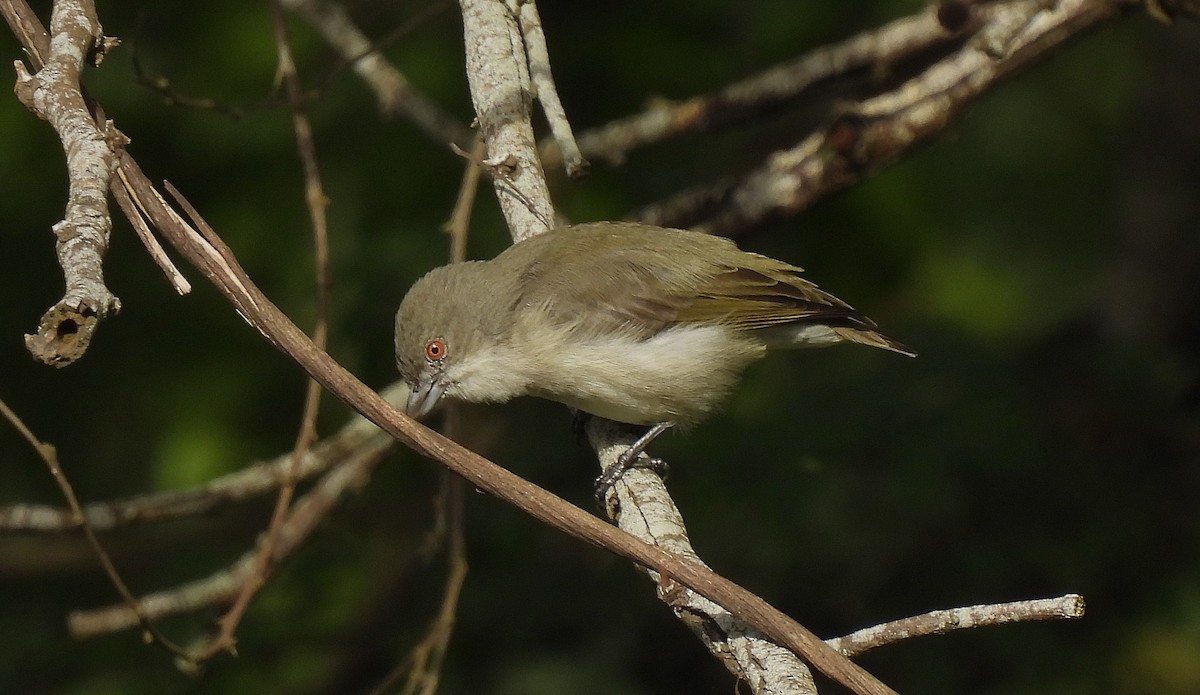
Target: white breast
(678,375)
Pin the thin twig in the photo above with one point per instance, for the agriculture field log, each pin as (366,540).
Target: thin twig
(222,587)
(863,138)
(423,664)
(317,202)
(460,218)
(1068,606)
(501,171)
(155,249)
(251,481)
(396,96)
(774,88)
(49,456)
(545,89)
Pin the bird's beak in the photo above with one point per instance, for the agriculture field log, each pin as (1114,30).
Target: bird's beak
(424,396)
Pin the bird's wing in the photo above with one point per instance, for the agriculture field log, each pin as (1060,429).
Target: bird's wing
(608,288)
(783,309)
(644,280)
(771,294)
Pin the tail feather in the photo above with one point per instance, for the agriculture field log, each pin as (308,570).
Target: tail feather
(872,338)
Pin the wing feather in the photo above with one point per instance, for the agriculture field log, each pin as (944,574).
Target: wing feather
(642,280)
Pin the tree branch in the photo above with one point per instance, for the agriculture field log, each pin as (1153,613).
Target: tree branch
(498,74)
(396,96)
(223,587)
(776,87)
(357,435)
(1069,606)
(861,139)
(642,507)
(545,89)
(53,94)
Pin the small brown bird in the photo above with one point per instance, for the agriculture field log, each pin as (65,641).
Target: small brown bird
(629,322)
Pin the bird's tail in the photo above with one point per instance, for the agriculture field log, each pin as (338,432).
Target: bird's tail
(872,338)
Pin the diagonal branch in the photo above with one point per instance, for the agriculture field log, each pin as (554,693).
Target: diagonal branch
(774,88)
(223,587)
(392,89)
(216,262)
(49,456)
(865,137)
(252,481)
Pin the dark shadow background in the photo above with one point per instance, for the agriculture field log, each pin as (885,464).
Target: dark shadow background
(1042,257)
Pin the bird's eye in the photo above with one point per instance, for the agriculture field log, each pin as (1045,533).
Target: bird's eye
(435,350)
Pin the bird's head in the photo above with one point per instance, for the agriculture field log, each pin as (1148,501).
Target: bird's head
(446,328)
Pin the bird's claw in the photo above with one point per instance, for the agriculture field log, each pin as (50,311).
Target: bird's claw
(628,460)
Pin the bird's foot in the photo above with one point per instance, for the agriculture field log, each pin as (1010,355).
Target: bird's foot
(632,458)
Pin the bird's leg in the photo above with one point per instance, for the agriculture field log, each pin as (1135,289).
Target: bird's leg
(579,421)
(630,459)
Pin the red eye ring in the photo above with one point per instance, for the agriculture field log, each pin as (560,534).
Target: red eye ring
(435,350)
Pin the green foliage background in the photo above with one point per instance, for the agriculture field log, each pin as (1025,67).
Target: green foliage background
(1041,257)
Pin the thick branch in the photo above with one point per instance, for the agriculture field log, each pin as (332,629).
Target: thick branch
(498,74)
(54,95)
(644,509)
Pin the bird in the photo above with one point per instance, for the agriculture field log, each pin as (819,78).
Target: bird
(635,323)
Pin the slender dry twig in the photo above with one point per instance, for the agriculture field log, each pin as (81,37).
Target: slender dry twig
(392,89)
(53,93)
(460,218)
(252,481)
(544,87)
(775,88)
(423,663)
(938,622)
(155,249)
(395,94)
(49,456)
(317,202)
(865,137)
(222,587)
